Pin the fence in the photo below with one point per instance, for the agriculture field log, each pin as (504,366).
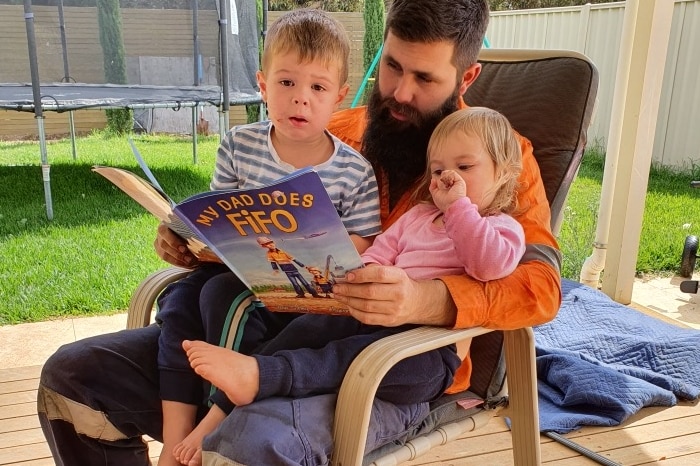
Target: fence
(595,30)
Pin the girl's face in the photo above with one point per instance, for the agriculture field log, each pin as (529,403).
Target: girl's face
(301,96)
(466,155)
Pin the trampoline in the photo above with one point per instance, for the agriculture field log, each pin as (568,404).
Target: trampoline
(238,43)
(69,97)
(62,97)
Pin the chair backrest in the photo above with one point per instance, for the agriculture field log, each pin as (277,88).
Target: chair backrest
(548,96)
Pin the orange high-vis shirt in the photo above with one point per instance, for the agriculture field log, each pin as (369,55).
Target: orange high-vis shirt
(531,295)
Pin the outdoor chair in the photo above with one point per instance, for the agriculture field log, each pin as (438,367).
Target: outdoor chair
(549,97)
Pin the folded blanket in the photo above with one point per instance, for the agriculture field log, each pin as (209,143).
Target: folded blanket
(599,362)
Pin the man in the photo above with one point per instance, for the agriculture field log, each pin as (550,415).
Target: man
(282,260)
(428,61)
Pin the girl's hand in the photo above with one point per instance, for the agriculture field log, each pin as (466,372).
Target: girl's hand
(447,189)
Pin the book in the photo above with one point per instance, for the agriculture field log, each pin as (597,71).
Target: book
(285,241)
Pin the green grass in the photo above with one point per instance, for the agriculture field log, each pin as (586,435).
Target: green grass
(99,246)
(670,214)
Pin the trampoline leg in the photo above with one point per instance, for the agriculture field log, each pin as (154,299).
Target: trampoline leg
(222,125)
(45,167)
(194,134)
(71,125)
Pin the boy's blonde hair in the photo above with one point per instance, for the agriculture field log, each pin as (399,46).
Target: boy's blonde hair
(500,142)
(313,35)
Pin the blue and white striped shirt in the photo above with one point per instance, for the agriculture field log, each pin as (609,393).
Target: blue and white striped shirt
(247,159)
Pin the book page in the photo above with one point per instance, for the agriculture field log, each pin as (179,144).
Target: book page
(159,204)
(139,190)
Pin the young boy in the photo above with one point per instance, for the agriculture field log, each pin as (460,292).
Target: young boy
(303,81)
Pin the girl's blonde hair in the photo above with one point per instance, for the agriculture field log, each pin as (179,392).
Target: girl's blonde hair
(500,142)
(313,35)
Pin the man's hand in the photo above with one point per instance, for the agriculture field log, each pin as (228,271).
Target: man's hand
(172,248)
(385,295)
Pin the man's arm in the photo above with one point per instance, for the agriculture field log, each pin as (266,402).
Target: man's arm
(385,295)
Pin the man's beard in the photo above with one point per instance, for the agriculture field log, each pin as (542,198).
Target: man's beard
(398,148)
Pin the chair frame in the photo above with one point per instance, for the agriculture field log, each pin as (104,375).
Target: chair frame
(369,367)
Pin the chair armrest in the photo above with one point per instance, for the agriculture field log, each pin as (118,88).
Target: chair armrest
(362,379)
(354,405)
(141,304)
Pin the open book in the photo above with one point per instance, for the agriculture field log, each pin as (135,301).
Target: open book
(285,241)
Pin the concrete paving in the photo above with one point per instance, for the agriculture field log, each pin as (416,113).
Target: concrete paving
(664,296)
(30,344)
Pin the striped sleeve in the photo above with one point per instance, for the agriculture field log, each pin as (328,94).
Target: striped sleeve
(243,160)
(351,183)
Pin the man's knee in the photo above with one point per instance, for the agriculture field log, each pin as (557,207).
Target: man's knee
(99,361)
(67,361)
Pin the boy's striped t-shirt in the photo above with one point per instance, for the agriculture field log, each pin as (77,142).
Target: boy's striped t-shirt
(247,159)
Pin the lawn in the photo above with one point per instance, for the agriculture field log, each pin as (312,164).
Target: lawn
(669,216)
(98,247)
(92,255)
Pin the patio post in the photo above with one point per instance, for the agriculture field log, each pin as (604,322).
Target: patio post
(645,36)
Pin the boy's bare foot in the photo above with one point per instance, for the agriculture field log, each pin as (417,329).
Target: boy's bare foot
(189,451)
(237,375)
(166,459)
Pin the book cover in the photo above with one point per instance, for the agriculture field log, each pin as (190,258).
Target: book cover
(285,241)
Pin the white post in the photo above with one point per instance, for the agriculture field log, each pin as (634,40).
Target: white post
(649,24)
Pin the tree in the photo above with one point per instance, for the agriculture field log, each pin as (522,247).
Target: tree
(109,19)
(326,5)
(373,15)
(253,111)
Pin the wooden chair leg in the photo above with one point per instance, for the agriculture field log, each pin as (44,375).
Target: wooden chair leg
(522,395)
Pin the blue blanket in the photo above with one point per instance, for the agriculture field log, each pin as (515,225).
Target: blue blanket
(599,362)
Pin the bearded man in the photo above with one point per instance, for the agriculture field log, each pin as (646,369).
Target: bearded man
(100,395)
